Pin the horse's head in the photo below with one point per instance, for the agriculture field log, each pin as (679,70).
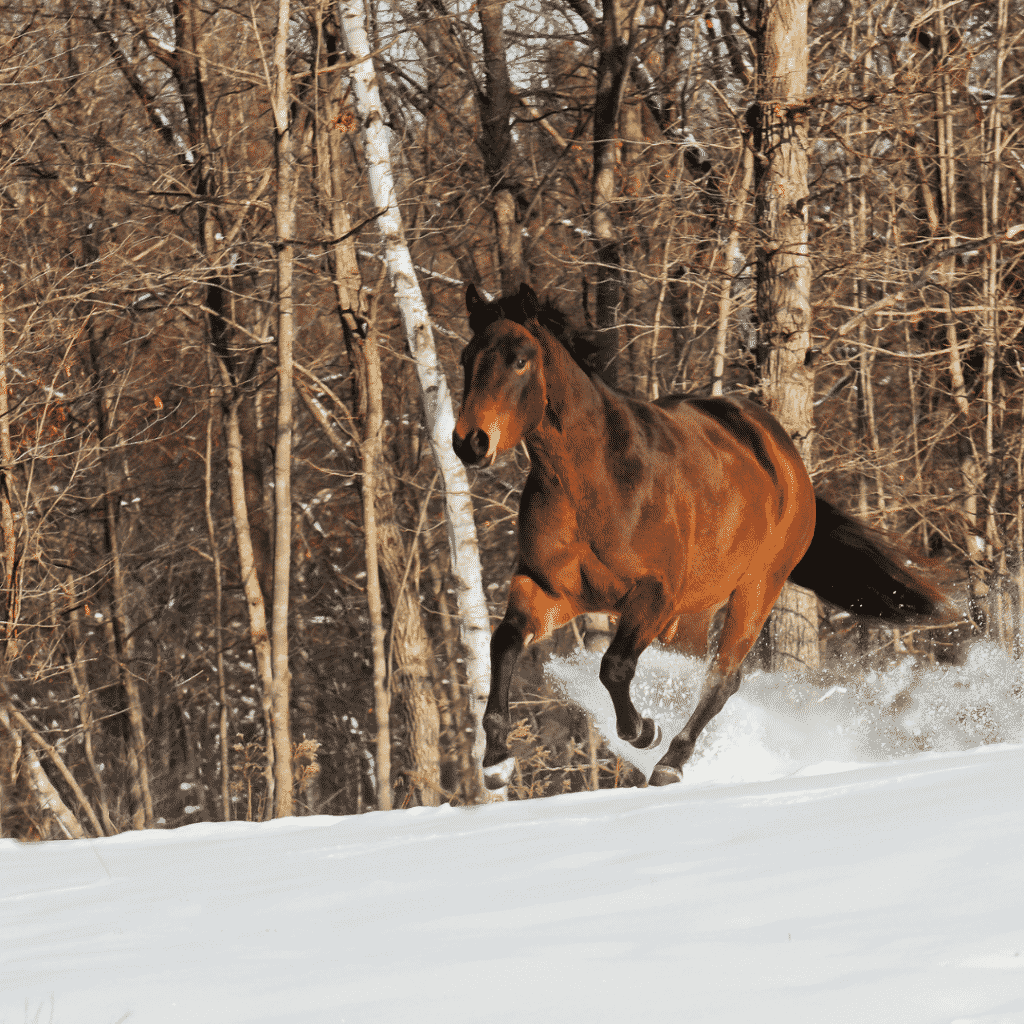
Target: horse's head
(504,394)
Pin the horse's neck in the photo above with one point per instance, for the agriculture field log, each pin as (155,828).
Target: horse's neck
(571,434)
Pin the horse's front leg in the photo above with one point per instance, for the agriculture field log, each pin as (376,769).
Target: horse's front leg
(642,616)
(507,644)
(532,614)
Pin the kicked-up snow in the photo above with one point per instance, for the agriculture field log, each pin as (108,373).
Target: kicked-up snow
(848,852)
(777,724)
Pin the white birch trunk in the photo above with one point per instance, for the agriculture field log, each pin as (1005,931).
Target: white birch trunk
(25,758)
(49,800)
(437,405)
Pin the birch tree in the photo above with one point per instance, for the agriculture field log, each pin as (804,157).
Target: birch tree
(405,663)
(437,407)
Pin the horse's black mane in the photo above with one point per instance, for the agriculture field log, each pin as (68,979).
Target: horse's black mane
(592,356)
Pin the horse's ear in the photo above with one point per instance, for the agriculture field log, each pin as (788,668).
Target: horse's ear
(472,298)
(529,301)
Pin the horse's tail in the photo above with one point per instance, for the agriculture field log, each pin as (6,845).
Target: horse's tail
(864,571)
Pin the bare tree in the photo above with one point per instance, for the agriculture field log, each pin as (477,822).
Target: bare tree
(440,421)
(612,75)
(778,120)
(285,221)
(495,101)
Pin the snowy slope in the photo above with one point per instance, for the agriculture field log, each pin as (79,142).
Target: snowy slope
(884,891)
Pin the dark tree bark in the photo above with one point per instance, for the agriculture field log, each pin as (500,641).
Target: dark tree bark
(612,75)
(495,102)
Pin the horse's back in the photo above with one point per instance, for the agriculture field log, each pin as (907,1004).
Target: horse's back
(739,422)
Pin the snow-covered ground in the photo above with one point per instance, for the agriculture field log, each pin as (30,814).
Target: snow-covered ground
(835,855)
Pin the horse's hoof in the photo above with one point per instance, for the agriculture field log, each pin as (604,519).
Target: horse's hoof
(650,735)
(665,775)
(497,776)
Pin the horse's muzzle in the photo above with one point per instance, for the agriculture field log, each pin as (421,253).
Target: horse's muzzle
(471,448)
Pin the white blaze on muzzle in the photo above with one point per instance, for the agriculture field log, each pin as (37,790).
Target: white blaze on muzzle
(493,437)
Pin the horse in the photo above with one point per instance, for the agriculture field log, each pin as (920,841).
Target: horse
(662,513)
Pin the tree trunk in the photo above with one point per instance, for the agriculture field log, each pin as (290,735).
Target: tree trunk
(496,145)
(10,600)
(48,798)
(76,665)
(857,218)
(410,650)
(612,72)
(372,457)
(972,473)
(250,583)
(733,276)
(437,407)
(284,213)
(993,286)
(115,624)
(25,761)
(778,120)
(218,616)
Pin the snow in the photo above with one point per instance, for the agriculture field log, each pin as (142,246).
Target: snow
(845,856)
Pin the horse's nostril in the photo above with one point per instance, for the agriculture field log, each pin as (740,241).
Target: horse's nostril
(478,442)
(472,447)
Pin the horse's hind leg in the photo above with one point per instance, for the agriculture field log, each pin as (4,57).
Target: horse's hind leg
(718,688)
(531,614)
(747,611)
(641,619)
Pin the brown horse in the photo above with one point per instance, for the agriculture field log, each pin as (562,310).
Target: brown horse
(662,513)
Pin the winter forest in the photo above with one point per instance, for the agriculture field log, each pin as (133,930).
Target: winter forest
(239,581)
